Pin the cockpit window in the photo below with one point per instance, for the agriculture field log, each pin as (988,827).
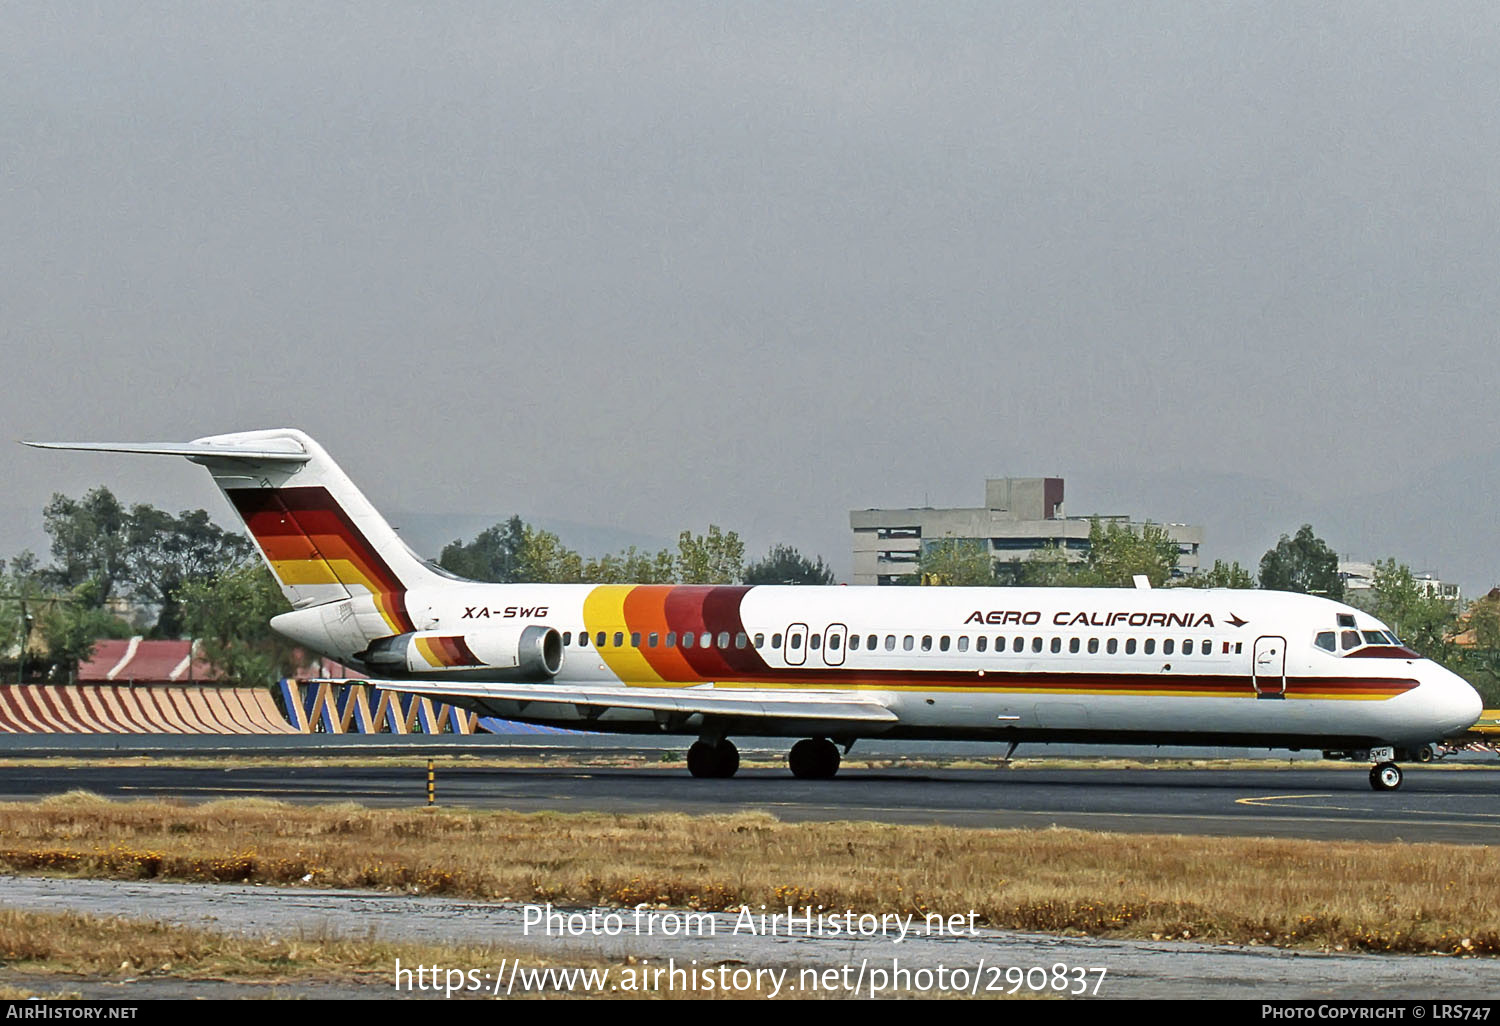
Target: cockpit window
(1348,640)
(1375,638)
(1324,641)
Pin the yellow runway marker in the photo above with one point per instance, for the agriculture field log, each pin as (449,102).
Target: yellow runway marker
(1276,798)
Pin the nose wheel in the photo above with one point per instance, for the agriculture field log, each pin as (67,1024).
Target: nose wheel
(1385,777)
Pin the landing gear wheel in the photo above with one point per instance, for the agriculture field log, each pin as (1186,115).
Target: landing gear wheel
(814,759)
(720,760)
(1385,777)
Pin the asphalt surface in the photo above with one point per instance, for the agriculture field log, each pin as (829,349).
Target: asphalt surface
(1434,804)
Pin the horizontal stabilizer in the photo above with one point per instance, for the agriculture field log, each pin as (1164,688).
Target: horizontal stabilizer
(272,450)
(743,703)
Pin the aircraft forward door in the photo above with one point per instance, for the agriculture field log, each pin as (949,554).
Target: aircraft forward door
(834,639)
(1268,671)
(795,651)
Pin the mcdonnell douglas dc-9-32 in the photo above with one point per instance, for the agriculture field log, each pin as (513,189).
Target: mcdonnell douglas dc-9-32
(827,665)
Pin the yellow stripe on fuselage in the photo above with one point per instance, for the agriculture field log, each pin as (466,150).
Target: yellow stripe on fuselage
(604,610)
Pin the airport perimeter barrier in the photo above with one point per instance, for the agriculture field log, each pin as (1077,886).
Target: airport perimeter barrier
(128,708)
(346,707)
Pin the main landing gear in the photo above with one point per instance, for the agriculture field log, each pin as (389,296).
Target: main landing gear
(713,759)
(814,759)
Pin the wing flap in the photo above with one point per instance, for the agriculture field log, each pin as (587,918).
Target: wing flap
(745,703)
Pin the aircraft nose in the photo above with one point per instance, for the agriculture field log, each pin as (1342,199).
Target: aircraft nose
(1455,703)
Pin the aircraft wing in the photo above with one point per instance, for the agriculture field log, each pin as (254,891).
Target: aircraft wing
(739,703)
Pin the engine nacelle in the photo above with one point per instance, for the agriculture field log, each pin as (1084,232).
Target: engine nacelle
(516,654)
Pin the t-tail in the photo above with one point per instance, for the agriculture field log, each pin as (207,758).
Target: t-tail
(320,536)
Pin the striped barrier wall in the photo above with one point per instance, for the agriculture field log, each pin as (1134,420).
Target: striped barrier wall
(138,709)
(346,707)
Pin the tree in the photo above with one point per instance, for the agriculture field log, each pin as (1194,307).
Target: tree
(632,567)
(785,565)
(1420,619)
(492,556)
(72,627)
(715,558)
(1223,575)
(1304,564)
(231,615)
(1118,553)
(543,558)
(955,562)
(164,553)
(90,541)
(1050,567)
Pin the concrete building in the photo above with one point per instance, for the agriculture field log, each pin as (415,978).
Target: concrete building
(1359,584)
(1020,515)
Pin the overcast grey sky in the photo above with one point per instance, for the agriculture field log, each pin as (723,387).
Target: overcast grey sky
(651,266)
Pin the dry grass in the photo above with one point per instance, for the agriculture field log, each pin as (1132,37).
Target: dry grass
(67,946)
(1340,895)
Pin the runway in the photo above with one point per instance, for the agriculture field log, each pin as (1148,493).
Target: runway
(1450,805)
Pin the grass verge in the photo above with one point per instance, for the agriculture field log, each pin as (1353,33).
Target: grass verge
(1336,895)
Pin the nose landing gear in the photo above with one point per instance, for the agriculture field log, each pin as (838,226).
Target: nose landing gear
(1385,776)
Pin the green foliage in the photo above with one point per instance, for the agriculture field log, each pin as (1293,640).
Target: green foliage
(955,562)
(165,552)
(543,557)
(493,555)
(715,558)
(1223,575)
(1117,554)
(1420,619)
(231,616)
(71,628)
(516,552)
(1303,564)
(90,542)
(785,565)
(1479,661)
(1049,567)
(631,567)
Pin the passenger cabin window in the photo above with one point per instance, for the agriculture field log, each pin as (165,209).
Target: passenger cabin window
(890,643)
(652,639)
(1036,644)
(963,643)
(927,643)
(980,643)
(1150,646)
(1056,645)
(635,639)
(776,641)
(1113,646)
(599,639)
(567,637)
(619,639)
(1324,640)
(943,643)
(815,642)
(688,637)
(1167,646)
(870,641)
(1130,646)
(795,641)
(760,641)
(740,641)
(1187,647)
(908,643)
(1018,644)
(1073,645)
(1093,646)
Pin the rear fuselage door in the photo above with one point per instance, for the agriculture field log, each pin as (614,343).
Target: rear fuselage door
(834,640)
(795,651)
(1269,667)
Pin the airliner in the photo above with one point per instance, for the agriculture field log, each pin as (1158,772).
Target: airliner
(827,665)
